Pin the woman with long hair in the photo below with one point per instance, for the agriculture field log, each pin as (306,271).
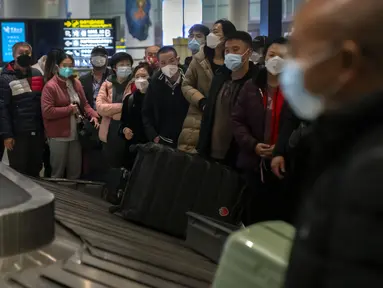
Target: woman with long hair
(198,80)
(63,99)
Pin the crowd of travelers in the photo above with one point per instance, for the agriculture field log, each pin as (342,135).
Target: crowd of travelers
(225,104)
(299,118)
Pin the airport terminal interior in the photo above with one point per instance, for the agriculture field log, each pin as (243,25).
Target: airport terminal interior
(133,154)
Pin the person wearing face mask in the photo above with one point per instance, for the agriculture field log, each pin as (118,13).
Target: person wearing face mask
(94,162)
(197,37)
(92,81)
(151,57)
(256,120)
(131,127)
(334,78)
(198,80)
(165,107)
(109,106)
(216,139)
(259,44)
(21,125)
(63,99)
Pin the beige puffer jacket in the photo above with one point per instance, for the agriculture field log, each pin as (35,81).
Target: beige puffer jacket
(195,87)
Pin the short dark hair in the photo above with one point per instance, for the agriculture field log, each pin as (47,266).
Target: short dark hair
(243,36)
(227,26)
(120,56)
(20,44)
(259,42)
(144,65)
(279,40)
(167,49)
(199,28)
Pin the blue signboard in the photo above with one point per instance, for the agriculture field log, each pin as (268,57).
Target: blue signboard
(11,33)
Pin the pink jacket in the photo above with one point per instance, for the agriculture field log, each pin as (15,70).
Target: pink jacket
(107,109)
(55,106)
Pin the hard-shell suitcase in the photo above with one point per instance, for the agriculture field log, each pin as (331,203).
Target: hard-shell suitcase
(165,184)
(207,236)
(256,257)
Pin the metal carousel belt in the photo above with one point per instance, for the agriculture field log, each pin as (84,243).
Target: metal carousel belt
(94,248)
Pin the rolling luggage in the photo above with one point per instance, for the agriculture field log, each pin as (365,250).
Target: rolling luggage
(208,236)
(165,184)
(256,257)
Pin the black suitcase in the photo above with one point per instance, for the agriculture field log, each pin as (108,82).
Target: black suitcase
(165,184)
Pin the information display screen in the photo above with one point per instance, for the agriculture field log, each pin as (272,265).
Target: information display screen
(81,36)
(11,33)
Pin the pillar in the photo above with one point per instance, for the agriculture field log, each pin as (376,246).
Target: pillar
(34,9)
(239,14)
(79,9)
(271,18)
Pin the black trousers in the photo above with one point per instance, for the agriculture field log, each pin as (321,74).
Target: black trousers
(27,154)
(263,201)
(47,161)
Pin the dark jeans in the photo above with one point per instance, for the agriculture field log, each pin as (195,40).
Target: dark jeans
(27,154)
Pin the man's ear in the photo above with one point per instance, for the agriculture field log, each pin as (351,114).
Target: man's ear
(178,59)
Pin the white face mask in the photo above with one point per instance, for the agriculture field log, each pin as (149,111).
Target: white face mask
(212,41)
(170,70)
(124,71)
(142,84)
(98,61)
(275,65)
(255,57)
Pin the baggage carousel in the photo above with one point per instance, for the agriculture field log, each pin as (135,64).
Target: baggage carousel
(84,245)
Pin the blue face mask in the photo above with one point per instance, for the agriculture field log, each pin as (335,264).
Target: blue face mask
(66,72)
(194,45)
(305,105)
(233,61)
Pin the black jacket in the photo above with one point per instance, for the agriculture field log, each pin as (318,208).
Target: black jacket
(289,123)
(339,237)
(87,83)
(204,144)
(20,102)
(164,110)
(131,117)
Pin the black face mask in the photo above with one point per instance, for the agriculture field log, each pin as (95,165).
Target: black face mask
(24,61)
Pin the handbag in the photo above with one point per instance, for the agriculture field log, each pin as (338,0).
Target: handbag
(87,133)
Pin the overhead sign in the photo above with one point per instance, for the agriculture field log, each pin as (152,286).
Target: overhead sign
(11,33)
(81,36)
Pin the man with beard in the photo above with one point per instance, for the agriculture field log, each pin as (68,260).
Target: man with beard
(93,80)
(21,124)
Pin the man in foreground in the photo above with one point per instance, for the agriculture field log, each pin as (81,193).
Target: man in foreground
(335,77)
